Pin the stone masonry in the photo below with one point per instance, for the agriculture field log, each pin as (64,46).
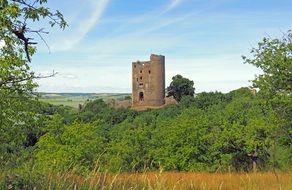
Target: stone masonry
(148,83)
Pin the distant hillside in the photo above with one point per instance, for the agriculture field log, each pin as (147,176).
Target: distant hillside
(74,99)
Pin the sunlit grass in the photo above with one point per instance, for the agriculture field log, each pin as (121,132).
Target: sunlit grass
(147,180)
(171,180)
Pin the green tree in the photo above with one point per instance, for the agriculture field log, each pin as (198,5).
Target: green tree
(180,87)
(207,99)
(20,126)
(19,120)
(75,146)
(129,147)
(274,58)
(16,35)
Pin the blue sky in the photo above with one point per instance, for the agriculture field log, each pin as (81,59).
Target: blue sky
(202,40)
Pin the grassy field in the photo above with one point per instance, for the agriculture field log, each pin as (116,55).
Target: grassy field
(74,99)
(184,181)
(168,181)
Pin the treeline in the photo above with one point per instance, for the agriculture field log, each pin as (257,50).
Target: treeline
(237,131)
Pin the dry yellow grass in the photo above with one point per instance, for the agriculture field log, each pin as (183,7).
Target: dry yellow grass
(178,180)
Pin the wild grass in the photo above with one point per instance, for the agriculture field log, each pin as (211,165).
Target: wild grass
(165,181)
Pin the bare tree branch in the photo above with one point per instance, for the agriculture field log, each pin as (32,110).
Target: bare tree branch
(38,32)
(13,81)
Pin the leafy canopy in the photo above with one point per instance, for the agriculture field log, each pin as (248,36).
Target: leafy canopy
(274,58)
(16,35)
(180,87)
(20,121)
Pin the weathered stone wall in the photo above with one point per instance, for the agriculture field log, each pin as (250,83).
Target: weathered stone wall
(148,82)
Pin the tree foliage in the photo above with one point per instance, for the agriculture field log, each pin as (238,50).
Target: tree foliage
(15,15)
(180,87)
(20,115)
(64,147)
(210,132)
(274,58)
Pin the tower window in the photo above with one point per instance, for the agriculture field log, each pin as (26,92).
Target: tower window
(140,78)
(134,66)
(149,72)
(140,71)
(137,79)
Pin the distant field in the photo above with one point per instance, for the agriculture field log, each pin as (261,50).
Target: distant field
(74,99)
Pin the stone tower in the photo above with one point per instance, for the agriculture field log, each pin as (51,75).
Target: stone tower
(148,82)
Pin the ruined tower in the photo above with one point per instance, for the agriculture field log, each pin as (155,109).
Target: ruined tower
(148,82)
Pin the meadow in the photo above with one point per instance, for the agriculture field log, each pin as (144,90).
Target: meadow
(161,181)
(76,99)
(187,181)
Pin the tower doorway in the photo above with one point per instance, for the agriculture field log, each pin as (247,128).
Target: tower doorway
(141,96)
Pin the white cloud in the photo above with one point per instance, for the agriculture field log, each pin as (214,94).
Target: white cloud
(77,31)
(151,17)
(173,4)
(90,79)
(223,73)
(69,76)
(192,48)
